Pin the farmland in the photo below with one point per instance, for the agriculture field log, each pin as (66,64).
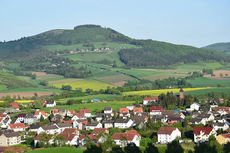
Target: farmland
(58,150)
(204,82)
(78,83)
(158,92)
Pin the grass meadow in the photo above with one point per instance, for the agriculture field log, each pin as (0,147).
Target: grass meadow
(58,150)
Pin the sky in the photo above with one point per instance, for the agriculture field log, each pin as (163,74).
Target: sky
(190,22)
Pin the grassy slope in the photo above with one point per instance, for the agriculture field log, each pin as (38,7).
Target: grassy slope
(221,47)
(204,82)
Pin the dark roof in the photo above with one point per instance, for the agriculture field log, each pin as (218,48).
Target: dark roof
(9,133)
(50,127)
(35,126)
(109,121)
(181,90)
(61,125)
(50,102)
(121,121)
(166,130)
(92,124)
(107,108)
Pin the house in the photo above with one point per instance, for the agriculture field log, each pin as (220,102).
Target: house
(181,93)
(108,123)
(81,140)
(220,126)
(82,124)
(202,119)
(97,131)
(71,136)
(122,139)
(124,110)
(30,119)
(4,120)
(201,134)
(156,110)
(21,117)
(78,116)
(15,105)
(95,100)
(50,103)
(167,134)
(130,107)
(70,113)
(123,123)
(148,101)
(63,126)
(137,110)
(223,110)
(108,110)
(17,127)
(49,129)
(223,138)
(34,128)
(99,116)
(194,107)
(86,112)
(93,125)
(38,114)
(36,140)
(9,138)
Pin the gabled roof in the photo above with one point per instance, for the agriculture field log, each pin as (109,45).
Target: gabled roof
(159,109)
(15,105)
(121,120)
(9,133)
(17,126)
(166,130)
(152,99)
(68,137)
(22,115)
(70,131)
(85,110)
(128,135)
(99,130)
(50,127)
(50,102)
(62,125)
(42,112)
(108,108)
(206,130)
(35,126)
(92,123)
(3,114)
(138,109)
(124,110)
(226,135)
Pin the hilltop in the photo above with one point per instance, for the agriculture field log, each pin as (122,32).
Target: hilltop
(220,47)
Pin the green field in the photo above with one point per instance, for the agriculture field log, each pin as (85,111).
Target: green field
(58,150)
(80,83)
(90,97)
(95,107)
(208,82)
(217,90)
(139,73)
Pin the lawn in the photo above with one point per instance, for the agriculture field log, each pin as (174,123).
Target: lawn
(80,83)
(204,82)
(94,107)
(139,73)
(58,150)
(158,92)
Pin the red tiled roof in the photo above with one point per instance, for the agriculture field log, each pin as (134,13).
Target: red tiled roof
(138,109)
(70,131)
(129,135)
(68,136)
(15,105)
(2,114)
(156,109)
(42,112)
(55,110)
(124,110)
(152,98)
(71,112)
(92,137)
(82,137)
(17,126)
(99,130)
(226,135)
(85,110)
(206,130)
(166,130)
(222,108)
(37,137)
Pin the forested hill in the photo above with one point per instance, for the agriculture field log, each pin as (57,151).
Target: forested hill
(221,47)
(161,54)
(80,34)
(147,53)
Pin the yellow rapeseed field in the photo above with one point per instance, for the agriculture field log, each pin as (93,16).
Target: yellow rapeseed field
(160,91)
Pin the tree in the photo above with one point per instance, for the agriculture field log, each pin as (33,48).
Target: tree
(174,147)
(131,148)
(38,105)
(116,149)
(44,140)
(151,149)
(59,140)
(226,148)
(92,148)
(145,142)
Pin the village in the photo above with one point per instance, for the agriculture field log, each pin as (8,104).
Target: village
(71,128)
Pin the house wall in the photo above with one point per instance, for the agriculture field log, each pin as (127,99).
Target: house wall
(4,141)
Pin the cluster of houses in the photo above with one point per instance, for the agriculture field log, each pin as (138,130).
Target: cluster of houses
(69,124)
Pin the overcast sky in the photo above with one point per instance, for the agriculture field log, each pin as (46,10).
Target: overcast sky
(191,22)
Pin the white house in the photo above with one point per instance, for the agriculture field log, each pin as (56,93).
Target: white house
(86,112)
(156,110)
(130,107)
(93,125)
(108,124)
(17,127)
(50,103)
(49,129)
(220,126)
(167,134)
(122,139)
(4,120)
(148,101)
(123,123)
(63,126)
(108,110)
(194,107)
(201,134)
